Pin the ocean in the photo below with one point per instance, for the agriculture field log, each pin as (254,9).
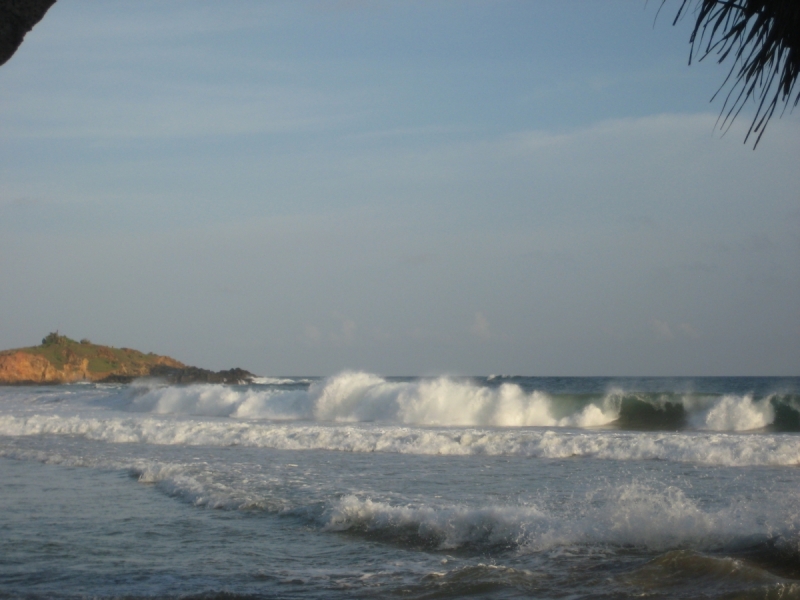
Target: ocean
(361,486)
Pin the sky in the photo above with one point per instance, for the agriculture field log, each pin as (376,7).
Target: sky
(409,187)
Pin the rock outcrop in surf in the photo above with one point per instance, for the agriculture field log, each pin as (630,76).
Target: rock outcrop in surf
(187,375)
(59,359)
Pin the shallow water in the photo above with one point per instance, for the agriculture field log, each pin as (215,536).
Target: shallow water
(358,486)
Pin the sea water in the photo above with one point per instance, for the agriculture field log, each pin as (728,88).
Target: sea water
(358,486)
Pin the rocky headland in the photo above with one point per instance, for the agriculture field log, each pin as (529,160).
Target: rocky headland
(59,359)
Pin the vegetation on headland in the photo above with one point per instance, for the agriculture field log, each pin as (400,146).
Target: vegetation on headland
(60,350)
(59,359)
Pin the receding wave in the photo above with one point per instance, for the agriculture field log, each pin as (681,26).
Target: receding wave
(723,449)
(633,515)
(352,397)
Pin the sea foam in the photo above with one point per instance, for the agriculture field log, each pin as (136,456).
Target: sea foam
(723,449)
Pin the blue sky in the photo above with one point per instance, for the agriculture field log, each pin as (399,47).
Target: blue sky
(413,187)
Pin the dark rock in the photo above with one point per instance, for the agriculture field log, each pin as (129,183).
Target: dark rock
(197,375)
(117,378)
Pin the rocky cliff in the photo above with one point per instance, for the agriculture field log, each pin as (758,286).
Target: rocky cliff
(59,359)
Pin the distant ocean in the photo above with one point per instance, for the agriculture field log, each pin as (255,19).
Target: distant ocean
(358,486)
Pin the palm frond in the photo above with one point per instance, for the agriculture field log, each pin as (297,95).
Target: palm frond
(763,39)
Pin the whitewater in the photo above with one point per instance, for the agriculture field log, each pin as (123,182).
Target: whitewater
(358,485)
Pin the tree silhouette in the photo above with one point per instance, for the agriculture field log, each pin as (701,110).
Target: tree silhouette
(17,17)
(763,39)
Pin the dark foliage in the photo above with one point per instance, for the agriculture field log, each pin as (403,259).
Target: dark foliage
(17,17)
(763,39)
(54,339)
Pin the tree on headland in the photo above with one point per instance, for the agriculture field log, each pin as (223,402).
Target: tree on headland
(54,338)
(762,37)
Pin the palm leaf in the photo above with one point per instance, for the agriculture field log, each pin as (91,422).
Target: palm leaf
(763,39)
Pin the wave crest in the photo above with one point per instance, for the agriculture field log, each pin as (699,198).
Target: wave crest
(363,397)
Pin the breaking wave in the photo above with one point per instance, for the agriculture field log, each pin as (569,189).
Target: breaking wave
(361,412)
(362,397)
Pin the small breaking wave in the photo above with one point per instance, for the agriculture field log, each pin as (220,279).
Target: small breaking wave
(632,515)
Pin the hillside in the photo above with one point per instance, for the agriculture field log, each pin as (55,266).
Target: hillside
(59,359)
